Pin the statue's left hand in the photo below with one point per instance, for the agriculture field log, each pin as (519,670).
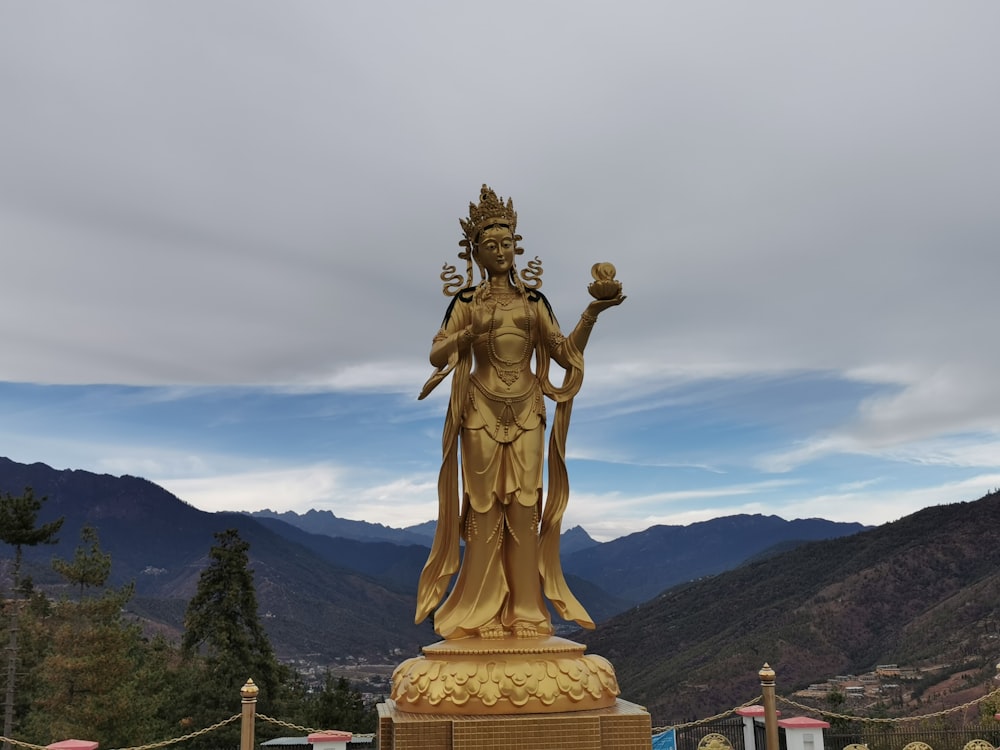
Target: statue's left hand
(597,306)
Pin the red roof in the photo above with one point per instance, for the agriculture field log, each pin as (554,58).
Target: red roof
(755,710)
(803,722)
(73,745)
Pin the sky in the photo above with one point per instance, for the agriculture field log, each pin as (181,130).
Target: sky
(222,226)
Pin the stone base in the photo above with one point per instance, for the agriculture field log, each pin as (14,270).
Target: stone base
(623,726)
(474,677)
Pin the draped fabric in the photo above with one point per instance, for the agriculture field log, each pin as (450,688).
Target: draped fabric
(474,598)
(549,563)
(442,563)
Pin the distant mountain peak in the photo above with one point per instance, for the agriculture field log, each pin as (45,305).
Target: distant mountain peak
(575,539)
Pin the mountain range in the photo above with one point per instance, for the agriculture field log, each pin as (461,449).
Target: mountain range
(695,611)
(636,567)
(330,586)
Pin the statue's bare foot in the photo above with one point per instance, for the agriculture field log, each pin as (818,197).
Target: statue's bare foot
(491,631)
(525,630)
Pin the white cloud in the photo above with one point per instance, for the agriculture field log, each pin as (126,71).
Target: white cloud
(406,501)
(889,504)
(610,515)
(386,377)
(399,503)
(110,457)
(950,399)
(294,488)
(980,450)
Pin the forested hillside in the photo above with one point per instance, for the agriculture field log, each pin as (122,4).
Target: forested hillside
(922,588)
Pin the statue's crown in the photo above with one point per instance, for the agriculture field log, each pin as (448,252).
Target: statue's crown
(490,211)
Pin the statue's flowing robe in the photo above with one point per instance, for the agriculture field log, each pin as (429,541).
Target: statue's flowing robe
(465,614)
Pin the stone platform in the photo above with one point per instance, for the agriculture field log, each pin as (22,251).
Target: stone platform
(622,726)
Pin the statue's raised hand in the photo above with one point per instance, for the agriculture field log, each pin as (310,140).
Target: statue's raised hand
(605,289)
(482,317)
(598,306)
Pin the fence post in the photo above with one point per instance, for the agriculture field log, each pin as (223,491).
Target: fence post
(770,714)
(249,694)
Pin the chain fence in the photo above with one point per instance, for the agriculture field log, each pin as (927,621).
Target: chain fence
(710,719)
(894,720)
(190,735)
(296,727)
(150,746)
(827,715)
(18,743)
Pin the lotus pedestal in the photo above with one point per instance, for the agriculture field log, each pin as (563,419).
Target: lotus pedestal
(535,693)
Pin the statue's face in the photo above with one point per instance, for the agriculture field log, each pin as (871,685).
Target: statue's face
(496,250)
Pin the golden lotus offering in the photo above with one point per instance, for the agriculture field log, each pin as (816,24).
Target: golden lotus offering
(604,285)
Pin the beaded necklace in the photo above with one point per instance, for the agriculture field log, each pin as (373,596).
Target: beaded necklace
(508,370)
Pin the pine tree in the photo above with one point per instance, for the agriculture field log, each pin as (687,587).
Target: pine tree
(223,628)
(18,519)
(90,566)
(88,682)
(18,516)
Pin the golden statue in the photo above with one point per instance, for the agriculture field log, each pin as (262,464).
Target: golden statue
(494,436)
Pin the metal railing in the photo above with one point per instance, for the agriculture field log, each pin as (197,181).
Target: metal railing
(872,733)
(247,717)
